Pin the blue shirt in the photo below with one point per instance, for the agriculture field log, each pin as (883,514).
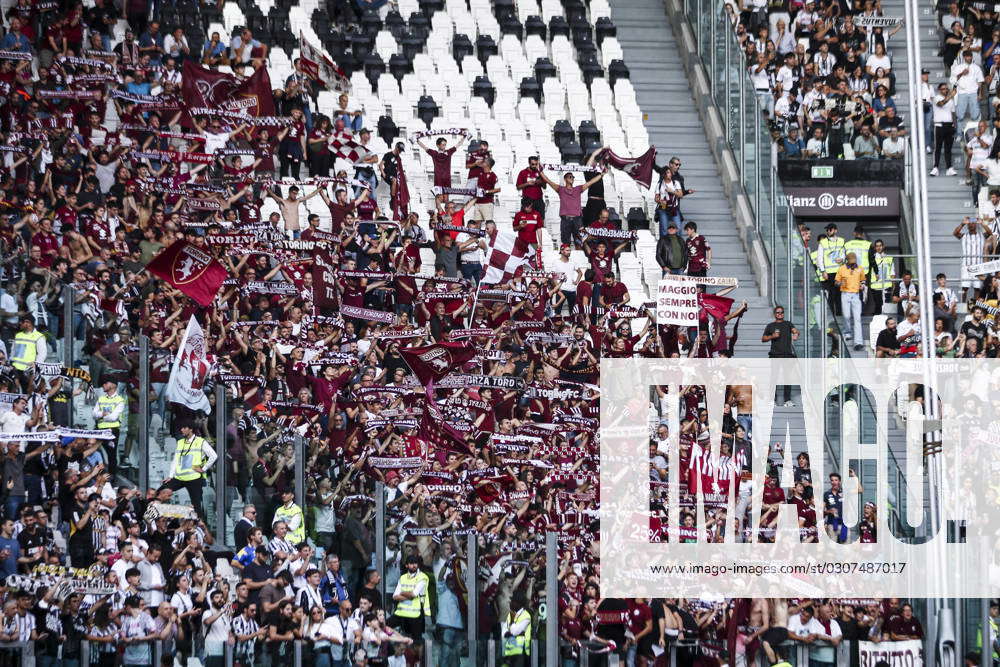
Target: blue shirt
(8,566)
(15,42)
(245,555)
(449,613)
(794,148)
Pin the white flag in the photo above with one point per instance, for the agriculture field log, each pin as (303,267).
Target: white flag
(190,370)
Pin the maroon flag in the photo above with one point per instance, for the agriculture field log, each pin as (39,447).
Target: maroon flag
(430,363)
(190,269)
(318,67)
(715,306)
(401,200)
(202,87)
(738,616)
(346,148)
(433,427)
(324,281)
(639,168)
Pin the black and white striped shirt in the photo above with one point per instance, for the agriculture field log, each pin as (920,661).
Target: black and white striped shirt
(245,649)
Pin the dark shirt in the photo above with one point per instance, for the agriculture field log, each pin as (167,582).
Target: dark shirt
(782,345)
(887,338)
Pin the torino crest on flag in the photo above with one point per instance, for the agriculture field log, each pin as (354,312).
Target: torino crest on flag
(190,370)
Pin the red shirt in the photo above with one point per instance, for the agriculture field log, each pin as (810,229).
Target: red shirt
(614,293)
(442,166)
(599,265)
(49,244)
(487,182)
(531,222)
(638,616)
(532,191)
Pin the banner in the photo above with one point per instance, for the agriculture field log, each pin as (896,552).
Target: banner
(190,370)
(639,168)
(876,21)
(984,267)
(677,302)
(156,510)
(191,270)
(486,381)
(202,87)
(318,67)
(432,362)
(615,234)
(909,653)
(367,314)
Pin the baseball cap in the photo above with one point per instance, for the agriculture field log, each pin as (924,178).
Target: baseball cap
(564,246)
(925,71)
(830,226)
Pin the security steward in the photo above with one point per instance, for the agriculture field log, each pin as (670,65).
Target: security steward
(29,348)
(516,633)
(108,413)
(413,605)
(193,457)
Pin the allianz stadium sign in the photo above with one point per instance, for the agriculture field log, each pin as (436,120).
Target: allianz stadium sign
(841,202)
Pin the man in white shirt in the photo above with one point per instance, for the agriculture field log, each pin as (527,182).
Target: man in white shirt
(343,631)
(175,44)
(803,627)
(943,109)
(17,419)
(786,73)
(817,147)
(216,621)
(572,270)
(978,141)
(784,41)
(894,146)
(967,77)
(152,582)
(953,15)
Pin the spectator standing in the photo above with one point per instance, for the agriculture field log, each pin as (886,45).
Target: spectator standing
(967,78)
(781,334)
(944,127)
(671,251)
(441,159)
(831,256)
(973,236)
(570,205)
(699,253)
(531,186)
(192,458)
(850,279)
(668,200)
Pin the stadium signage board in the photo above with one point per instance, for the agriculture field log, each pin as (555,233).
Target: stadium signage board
(833,202)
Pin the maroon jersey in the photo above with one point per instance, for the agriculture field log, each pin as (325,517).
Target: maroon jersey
(697,250)
(442,166)
(600,265)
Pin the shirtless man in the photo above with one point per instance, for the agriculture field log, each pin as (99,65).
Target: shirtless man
(777,631)
(290,207)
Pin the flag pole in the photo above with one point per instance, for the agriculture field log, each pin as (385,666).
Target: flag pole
(475,302)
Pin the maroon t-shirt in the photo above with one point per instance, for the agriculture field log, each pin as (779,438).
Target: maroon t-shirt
(532,191)
(615,293)
(697,249)
(487,181)
(337,214)
(442,166)
(599,265)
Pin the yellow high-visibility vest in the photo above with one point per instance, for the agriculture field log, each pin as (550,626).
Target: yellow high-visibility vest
(110,404)
(408,583)
(25,349)
(830,251)
(287,514)
(190,454)
(882,272)
(518,644)
(860,248)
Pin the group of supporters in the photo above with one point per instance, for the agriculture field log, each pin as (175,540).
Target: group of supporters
(369,345)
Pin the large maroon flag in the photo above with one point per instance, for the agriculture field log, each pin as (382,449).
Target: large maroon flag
(191,270)
(202,87)
(435,429)
(639,168)
(430,363)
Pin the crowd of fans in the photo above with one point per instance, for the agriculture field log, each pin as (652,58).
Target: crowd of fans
(89,558)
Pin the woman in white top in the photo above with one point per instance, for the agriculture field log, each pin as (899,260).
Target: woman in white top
(877,60)
(988,169)
(181,601)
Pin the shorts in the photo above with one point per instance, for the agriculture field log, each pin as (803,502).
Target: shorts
(775,636)
(968,279)
(482,212)
(411,627)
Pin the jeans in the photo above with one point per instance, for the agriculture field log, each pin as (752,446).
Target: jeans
(929,128)
(570,300)
(766,101)
(12,505)
(569,228)
(472,271)
(663,218)
(966,102)
(449,651)
(850,303)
